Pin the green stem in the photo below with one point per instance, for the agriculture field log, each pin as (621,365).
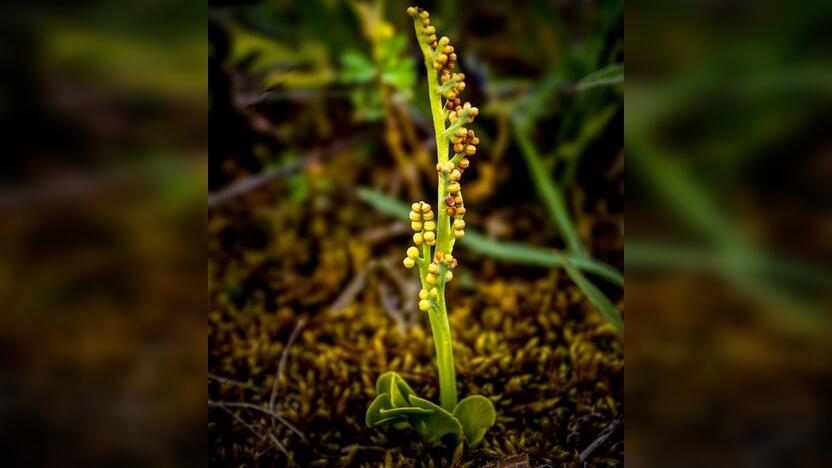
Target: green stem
(444,238)
(444,352)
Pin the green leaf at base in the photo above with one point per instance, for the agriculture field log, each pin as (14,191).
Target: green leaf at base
(476,414)
(399,406)
(386,380)
(399,392)
(432,427)
(374,416)
(404,411)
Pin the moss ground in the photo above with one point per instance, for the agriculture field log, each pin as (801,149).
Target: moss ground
(525,338)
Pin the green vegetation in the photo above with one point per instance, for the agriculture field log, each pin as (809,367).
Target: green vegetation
(326,135)
(396,403)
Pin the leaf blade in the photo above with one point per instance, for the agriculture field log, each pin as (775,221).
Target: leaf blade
(476,414)
(595,296)
(404,411)
(436,425)
(607,76)
(373,417)
(550,194)
(507,251)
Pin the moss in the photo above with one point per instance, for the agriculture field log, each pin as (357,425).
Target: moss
(552,366)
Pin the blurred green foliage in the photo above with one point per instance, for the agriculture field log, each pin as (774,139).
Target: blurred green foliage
(511,252)
(393,69)
(545,191)
(558,96)
(727,253)
(607,76)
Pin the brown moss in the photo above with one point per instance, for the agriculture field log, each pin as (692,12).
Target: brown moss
(551,364)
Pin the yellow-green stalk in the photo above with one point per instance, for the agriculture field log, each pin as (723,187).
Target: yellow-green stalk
(433,238)
(449,115)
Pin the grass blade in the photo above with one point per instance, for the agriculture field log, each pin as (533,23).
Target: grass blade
(607,76)
(550,194)
(539,256)
(595,296)
(505,251)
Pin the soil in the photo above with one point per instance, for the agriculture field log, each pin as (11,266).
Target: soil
(326,268)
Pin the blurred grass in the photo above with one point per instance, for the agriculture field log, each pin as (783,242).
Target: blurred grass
(727,251)
(506,251)
(607,76)
(692,202)
(594,294)
(572,151)
(102,228)
(549,194)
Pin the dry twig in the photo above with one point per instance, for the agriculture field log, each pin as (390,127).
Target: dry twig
(281,366)
(243,404)
(602,437)
(225,407)
(261,180)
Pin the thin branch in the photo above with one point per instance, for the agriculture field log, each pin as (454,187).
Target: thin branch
(261,180)
(249,99)
(351,290)
(408,289)
(224,407)
(243,404)
(391,304)
(281,366)
(379,234)
(228,381)
(602,437)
